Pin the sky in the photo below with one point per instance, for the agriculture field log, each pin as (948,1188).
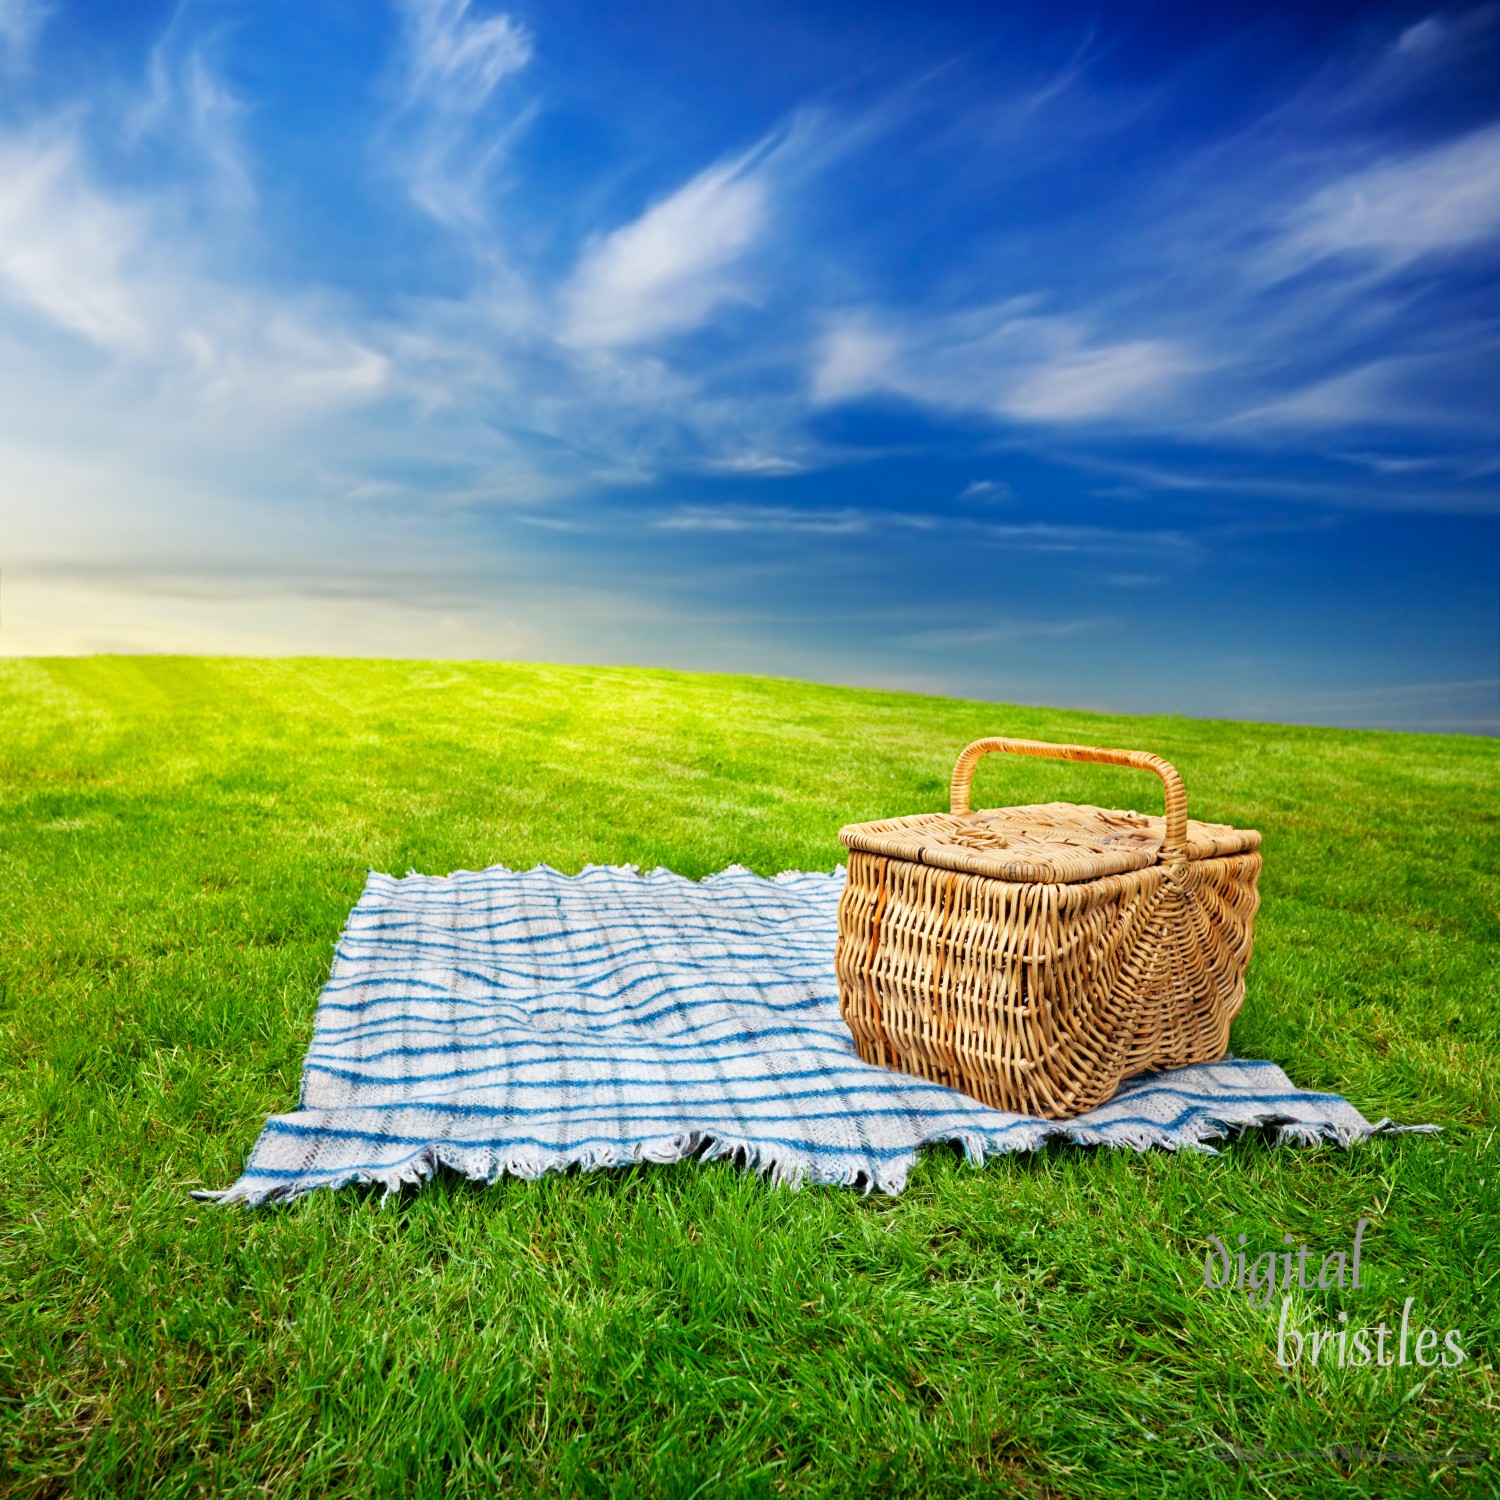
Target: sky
(1143,357)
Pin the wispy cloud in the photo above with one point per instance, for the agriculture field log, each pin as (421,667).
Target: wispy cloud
(1440,32)
(1362,395)
(1401,209)
(849,520)
(66,249)
(996,632)
(776,519)
(94,264)
(855,358)
(458,58)
(1437,41)
(190,111)
(1007,361)
(447,139)
(1048,536)
(763,465)
(669,270)
(1105,381)
(988,491)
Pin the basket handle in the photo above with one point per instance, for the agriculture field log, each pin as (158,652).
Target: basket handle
(1174,845)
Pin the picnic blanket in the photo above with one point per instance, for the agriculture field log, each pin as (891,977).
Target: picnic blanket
(522,1022)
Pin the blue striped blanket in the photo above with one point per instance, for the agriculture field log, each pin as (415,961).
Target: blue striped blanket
(522,1022)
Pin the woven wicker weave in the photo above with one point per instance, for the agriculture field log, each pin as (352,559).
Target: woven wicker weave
(1035,957)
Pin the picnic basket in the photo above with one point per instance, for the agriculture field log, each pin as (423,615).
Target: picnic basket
(1036,957)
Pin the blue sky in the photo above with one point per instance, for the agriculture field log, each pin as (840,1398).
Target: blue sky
(1141,357)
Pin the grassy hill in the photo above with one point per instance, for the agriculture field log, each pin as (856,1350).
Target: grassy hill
(180,841)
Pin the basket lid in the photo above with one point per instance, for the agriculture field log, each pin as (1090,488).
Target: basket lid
(1050,843)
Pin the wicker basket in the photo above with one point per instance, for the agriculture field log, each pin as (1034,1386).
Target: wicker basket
(1035,957)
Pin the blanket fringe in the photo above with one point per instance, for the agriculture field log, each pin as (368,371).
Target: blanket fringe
(787,1168)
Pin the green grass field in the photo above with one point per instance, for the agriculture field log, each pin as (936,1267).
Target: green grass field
(180,842)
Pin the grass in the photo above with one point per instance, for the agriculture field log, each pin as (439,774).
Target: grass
(180,841)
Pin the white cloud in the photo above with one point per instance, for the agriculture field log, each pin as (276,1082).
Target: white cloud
(64,248)
(1047,536)
(669,270)
(767,518)
(1244,480)
(457,60)
(272,362)
(1394,463)
(1400,210)
(1426,35)
(189,107)
(996,632)
(106,269)
(1442,33)
(1018,536)
(987,490)
(1365,394)
(1004,360)
(759,465)
(1096,382)
(855,359)
(447,141)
